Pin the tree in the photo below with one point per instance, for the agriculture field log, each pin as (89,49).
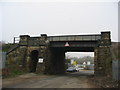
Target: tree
(80,60)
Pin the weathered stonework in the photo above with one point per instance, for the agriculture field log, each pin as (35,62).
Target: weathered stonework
(102,61)
(103,65)
(52,50)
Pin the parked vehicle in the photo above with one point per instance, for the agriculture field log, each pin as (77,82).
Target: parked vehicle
(77,69)
(81,68)
(71,69)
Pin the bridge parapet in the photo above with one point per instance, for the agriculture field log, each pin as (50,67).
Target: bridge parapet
(105,39)
(75,38)
(24,40)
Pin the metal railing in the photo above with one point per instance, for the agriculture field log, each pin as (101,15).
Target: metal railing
(75,38)
(16,40)
(13,48)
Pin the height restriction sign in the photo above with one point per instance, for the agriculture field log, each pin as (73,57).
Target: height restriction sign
(67,44)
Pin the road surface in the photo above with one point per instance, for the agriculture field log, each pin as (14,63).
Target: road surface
(69,80)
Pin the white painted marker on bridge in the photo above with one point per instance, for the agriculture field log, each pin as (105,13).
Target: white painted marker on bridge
(67,44)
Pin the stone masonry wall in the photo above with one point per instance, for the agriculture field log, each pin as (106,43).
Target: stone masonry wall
(103,61)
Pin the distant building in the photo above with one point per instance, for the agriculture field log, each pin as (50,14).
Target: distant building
(84,63)
(88,63)
(72,61)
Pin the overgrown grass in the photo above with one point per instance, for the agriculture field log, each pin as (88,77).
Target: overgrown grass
(12,72)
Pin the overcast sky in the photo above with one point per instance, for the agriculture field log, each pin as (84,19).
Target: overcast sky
(58,17)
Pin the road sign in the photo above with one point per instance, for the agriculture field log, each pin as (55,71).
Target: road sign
(67,44)
(40,60)
(74,63)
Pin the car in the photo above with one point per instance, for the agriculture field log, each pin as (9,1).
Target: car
(71,69)
(81,68)
(77,69)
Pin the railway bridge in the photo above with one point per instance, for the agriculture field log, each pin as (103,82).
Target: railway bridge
(52,50)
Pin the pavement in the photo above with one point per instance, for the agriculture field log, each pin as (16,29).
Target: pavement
(68,80)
